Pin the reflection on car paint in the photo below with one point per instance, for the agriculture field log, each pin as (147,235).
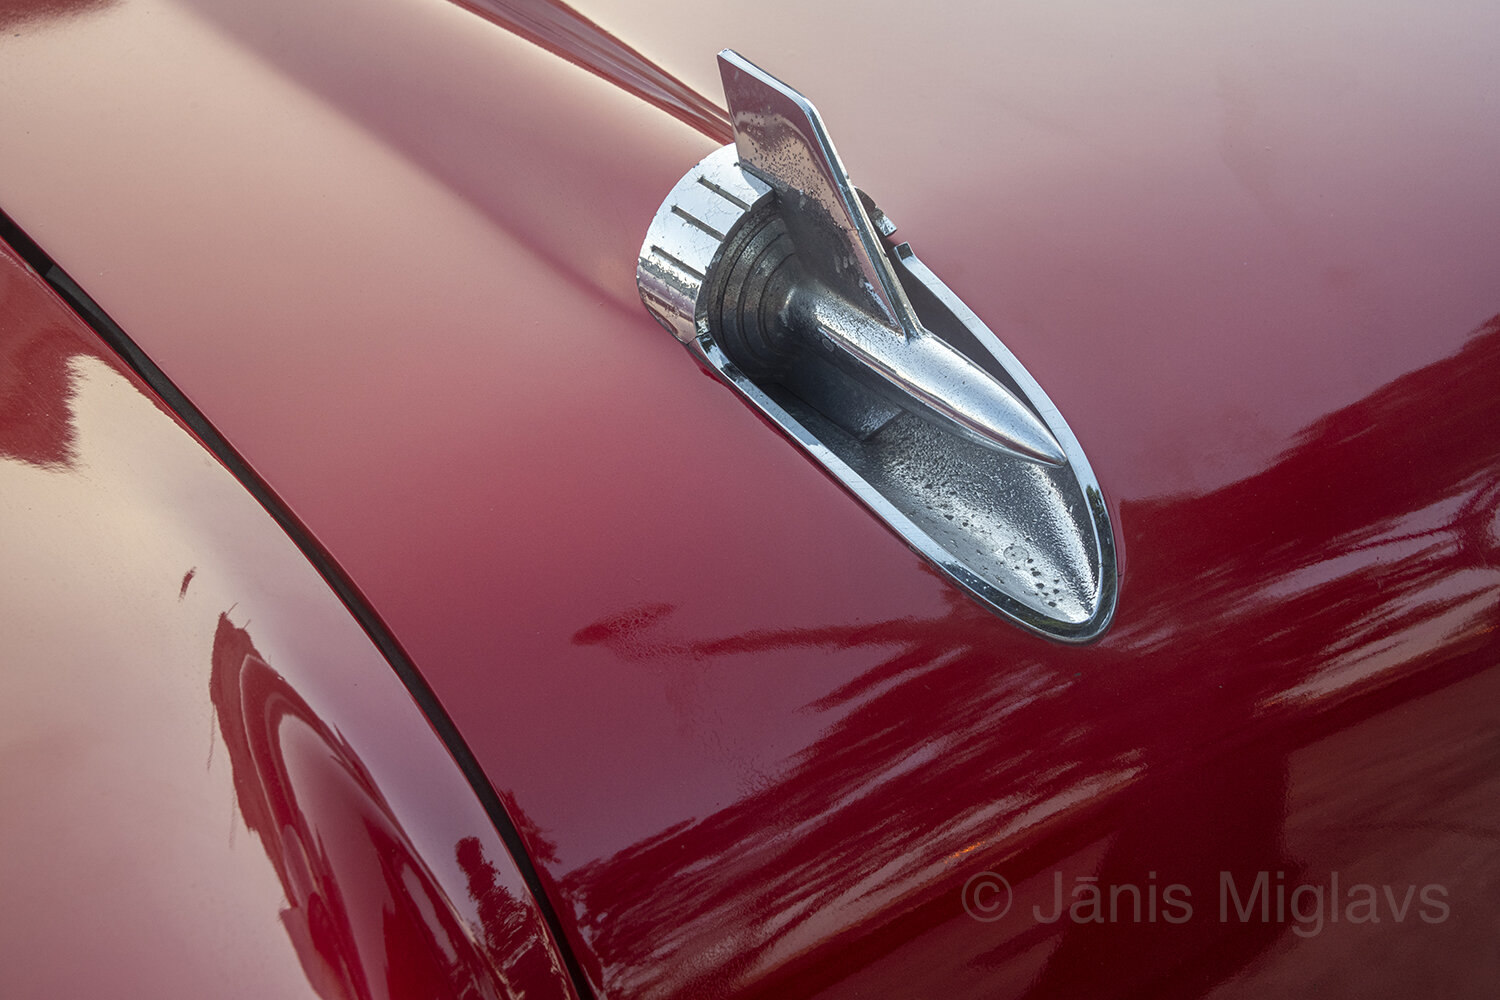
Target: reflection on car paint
(1156,755)
(566,32)
(144,732)
(1115,228)
(365,912)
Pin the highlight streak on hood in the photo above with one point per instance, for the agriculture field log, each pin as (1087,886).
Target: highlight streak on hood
(564,32)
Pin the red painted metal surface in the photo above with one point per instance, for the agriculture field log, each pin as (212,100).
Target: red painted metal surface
(212,783)
(756,747)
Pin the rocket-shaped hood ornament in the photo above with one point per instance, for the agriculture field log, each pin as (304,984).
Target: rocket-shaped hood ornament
(781,277)
(851,300)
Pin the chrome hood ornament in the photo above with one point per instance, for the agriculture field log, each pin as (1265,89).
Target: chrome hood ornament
(780,276)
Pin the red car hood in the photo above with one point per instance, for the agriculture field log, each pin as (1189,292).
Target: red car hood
(389,249)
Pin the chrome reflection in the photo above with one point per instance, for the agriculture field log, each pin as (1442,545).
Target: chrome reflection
(782,278)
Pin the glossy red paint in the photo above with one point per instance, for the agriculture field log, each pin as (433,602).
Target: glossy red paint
(183,701)
(757,747)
